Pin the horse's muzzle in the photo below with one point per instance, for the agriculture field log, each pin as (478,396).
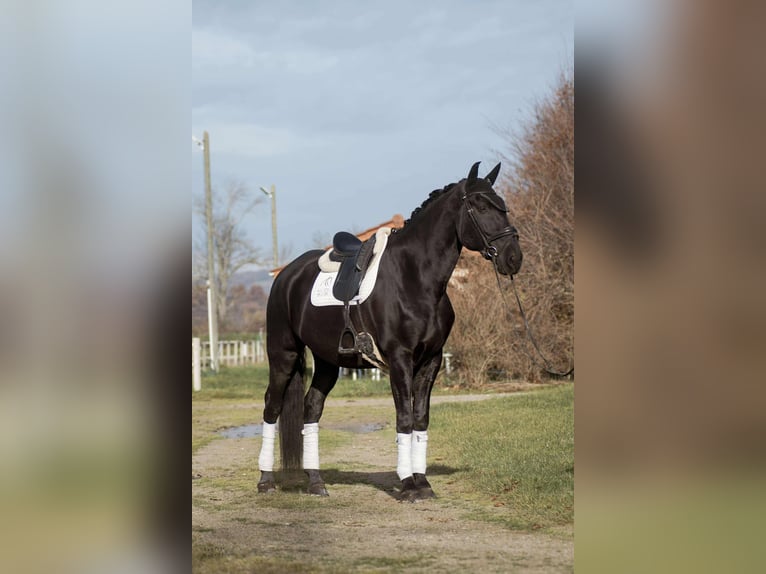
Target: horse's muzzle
(509,261)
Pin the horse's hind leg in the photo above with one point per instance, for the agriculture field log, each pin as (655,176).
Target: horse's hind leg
(325,377)
(286,366)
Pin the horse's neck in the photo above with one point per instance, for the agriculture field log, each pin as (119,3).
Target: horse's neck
(432,244)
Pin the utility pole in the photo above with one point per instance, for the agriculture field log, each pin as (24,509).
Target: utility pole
(273,195)
(211,284)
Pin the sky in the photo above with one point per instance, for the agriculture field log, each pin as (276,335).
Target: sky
(356,111)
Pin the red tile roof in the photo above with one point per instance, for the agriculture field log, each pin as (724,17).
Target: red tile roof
(396,222)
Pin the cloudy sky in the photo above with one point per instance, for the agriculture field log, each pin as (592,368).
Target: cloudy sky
(357,110)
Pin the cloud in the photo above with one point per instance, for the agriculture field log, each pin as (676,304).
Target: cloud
(369,101)
(253,140)
(214,50)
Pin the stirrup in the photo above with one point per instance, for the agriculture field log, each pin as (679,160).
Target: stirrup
(348,332)
(347,350)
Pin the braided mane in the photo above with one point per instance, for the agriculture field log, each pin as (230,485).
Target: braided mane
(435,194)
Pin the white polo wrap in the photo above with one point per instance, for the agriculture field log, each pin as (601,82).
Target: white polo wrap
(311,446)
(404,459)
(419,447)
(266,458)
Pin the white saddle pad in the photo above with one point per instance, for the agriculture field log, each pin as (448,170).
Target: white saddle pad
(321,292)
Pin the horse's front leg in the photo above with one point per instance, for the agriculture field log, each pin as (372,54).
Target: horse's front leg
(412,397)
(421,390)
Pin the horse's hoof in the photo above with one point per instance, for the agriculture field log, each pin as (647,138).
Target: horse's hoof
(266,487)
(409,492)
(318,489)
(424,490)
(316,484)
(408,496)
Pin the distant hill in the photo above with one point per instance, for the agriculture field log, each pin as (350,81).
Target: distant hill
(250,278)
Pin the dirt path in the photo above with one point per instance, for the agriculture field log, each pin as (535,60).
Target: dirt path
(360,527)
(389,402)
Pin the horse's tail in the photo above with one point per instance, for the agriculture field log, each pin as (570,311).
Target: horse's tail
(291,418)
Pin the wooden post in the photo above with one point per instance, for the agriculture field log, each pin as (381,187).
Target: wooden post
(259,355)
(447,363)
(213,299)
(274,225)
(196,365)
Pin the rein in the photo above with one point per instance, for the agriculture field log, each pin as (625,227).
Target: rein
(547,366)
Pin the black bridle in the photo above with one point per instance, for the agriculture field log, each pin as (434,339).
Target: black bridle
(490,251)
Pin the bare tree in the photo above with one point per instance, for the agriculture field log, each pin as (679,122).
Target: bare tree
(539,187)
(321,239)
(286,253)
(540,193)
(232,249)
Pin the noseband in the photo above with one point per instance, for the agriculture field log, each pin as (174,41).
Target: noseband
(490,251)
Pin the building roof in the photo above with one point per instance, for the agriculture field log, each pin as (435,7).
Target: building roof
(396,222)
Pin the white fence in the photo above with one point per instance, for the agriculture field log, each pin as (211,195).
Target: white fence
(234,353)
(230,353)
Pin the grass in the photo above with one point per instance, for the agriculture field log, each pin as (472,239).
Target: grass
(210,559)
(515,455)
(250,382)
(246,382)
(209,416)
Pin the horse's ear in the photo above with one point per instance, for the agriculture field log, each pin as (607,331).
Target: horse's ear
(474,173)
(492,175)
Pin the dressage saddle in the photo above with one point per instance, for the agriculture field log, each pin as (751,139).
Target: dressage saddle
(354,257)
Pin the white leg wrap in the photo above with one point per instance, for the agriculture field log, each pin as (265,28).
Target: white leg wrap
(404,449)
(266,459)
(419,447)
(311,446)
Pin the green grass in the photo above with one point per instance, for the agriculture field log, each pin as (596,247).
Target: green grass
(246,382)
(515,456)
(250,382)
(210,559)
(391,563)
(209,416)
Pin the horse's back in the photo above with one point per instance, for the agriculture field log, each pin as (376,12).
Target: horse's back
(294,272)
(294,279)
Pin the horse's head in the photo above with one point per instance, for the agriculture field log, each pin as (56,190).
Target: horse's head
(483,224)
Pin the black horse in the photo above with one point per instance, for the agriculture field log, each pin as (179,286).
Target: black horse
(408,316)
